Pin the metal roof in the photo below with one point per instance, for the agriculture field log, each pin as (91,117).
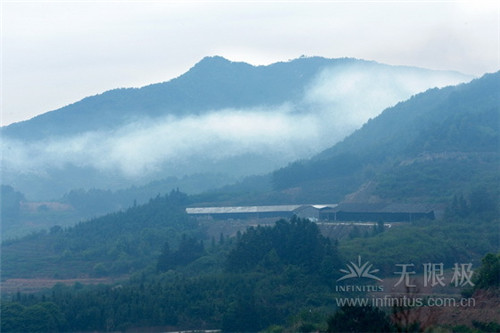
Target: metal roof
(242,209)
(380,208)
(323,206)
(250,209)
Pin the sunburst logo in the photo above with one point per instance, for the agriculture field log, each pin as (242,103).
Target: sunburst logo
(359,271)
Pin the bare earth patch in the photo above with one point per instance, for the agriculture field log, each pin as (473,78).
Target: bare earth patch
(11,286)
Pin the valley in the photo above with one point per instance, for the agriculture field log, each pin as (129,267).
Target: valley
(412,184)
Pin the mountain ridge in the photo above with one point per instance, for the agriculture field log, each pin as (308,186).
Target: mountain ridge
(224,89)
(220,117)
(376,154)
(180,88)
(448,131)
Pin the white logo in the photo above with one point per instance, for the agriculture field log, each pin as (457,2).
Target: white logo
(359,271)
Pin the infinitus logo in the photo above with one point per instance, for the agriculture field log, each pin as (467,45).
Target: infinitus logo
(359,271)
(356,271)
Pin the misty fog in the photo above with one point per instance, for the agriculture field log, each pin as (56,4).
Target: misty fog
(333,105)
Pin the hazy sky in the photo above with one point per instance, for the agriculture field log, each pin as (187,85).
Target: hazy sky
(57,52)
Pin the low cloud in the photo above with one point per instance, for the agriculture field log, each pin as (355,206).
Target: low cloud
(149,145)
(336,103)
(350,95)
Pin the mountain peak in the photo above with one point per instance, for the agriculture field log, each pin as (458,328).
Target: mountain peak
(212,61)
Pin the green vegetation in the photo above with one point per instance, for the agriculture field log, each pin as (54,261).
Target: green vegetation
(213,84)
(277,278)
(189,250)
(488,276)
(424,149)
(463,234)
(360,319)
(10,208)
(115,244)
(39,317)
(297,243)
(281,277)
(95,202)
(276,283)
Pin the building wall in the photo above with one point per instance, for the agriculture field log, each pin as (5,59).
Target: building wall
(251,215)
(307,212)
(374,216)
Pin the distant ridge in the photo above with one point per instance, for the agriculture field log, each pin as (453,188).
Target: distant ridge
(222,119)
(213,83)
(436,144)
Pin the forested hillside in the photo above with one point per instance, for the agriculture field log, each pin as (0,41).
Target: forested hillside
(263,116)
(440,147)
(208,290)
(276,278)
(115,244)
(430,147)
(213,83)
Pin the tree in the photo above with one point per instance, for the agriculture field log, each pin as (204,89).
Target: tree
(189,250)
(359,319)
(10,205)
(488,275)
(296,242)
(483,201)
(378,228)
(165,259)
(43,317)
(12,317)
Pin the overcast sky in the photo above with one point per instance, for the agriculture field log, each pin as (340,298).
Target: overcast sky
(58,52)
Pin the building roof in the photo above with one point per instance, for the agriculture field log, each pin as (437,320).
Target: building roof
(251,209)
(323,206)
(379,208)
(242,209)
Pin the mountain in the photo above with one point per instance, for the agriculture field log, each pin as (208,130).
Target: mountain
(221,117)
(433,147)
(436,144)
(213,83)
(113,237)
